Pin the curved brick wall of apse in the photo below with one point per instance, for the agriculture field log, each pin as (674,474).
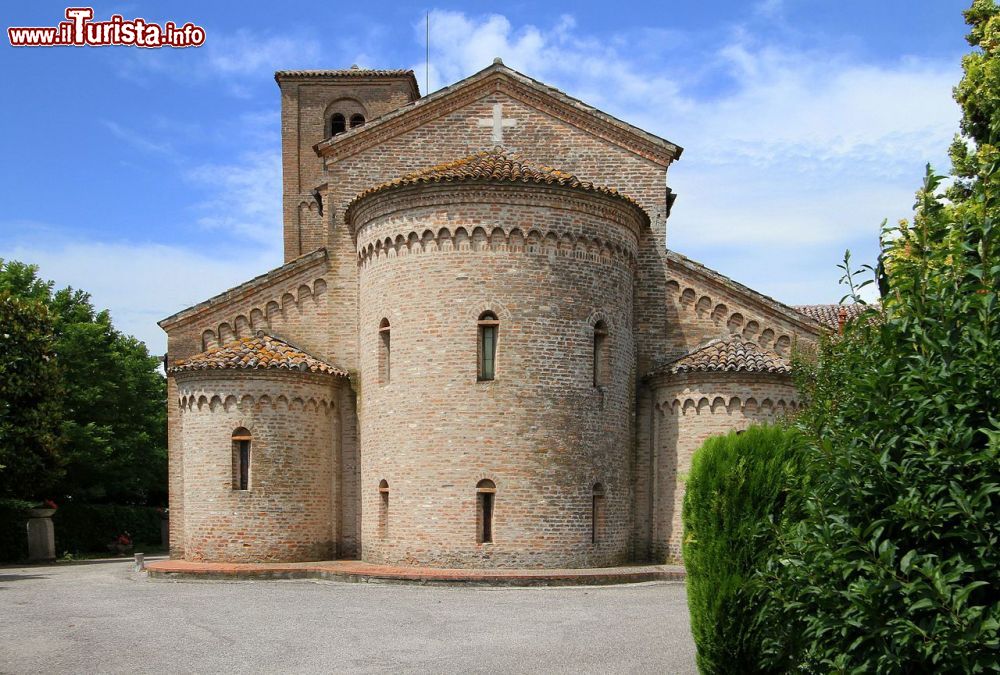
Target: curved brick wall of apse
(287,513)
(550,263)
(690,408)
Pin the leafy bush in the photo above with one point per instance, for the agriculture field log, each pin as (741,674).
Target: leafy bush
(896,565)
(737,493)
(89,528)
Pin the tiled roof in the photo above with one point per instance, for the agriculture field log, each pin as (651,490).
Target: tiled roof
(729,354)
(829,315)
(258,352)
(346,72)
(492,166)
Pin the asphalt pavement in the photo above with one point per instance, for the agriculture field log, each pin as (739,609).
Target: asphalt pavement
(101,617)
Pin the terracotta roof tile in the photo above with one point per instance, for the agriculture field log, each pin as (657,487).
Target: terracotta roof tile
(729,354)
(259,352)
(492,166)
(829,315)
(345,72)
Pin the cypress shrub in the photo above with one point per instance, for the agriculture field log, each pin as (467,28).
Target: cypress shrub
(738,493)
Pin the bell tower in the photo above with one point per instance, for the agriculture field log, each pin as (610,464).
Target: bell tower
(317,104)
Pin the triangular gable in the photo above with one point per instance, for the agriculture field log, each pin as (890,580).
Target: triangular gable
(713,278)
(498,78)
(247,287)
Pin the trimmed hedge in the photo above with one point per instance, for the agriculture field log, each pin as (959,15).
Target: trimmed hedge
(89,528)
(738,493)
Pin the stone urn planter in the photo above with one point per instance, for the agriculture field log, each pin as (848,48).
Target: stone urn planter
(41,534)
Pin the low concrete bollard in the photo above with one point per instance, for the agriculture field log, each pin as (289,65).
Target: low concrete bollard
(140,562)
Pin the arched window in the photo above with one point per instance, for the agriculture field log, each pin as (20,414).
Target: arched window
(602,357)
(241,459)
(357,119)
(337,124)
(597,514)
(489,327)
(383,508)
(384,352)
(486,491)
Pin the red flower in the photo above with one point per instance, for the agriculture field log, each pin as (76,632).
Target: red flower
(50,504)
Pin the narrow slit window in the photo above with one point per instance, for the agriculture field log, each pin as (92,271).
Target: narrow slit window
(489,327)
(383,508)
(241,459)
(384,352)
(601,354)
(338,124)
(357,120)
(597,514)
(485,501)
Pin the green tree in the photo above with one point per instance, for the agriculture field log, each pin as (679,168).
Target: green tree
(974,150)
(113,398)
(30,410)
(896,567)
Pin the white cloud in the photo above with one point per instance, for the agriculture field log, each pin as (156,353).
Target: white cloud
(247,53)
(790,153)
(240,60)
(137,140)
(244,197)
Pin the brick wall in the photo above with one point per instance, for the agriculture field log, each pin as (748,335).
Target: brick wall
(540,137)
(287,513)
(306,106)
(549,263)
(680,414)
(702,305)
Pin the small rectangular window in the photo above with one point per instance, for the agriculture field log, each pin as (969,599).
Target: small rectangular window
(601,357)
(485,496)
(489,351)
(384,353)
(241,460)
(383,511)
(488,331)
(597,514)
(486,504)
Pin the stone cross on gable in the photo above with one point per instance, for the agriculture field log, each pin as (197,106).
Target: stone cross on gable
(498,123)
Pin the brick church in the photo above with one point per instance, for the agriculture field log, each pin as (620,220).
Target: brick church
(480,351)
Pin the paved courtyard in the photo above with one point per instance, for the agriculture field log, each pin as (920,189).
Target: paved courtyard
(101,617)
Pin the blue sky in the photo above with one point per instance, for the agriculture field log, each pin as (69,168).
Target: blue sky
(151,178)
